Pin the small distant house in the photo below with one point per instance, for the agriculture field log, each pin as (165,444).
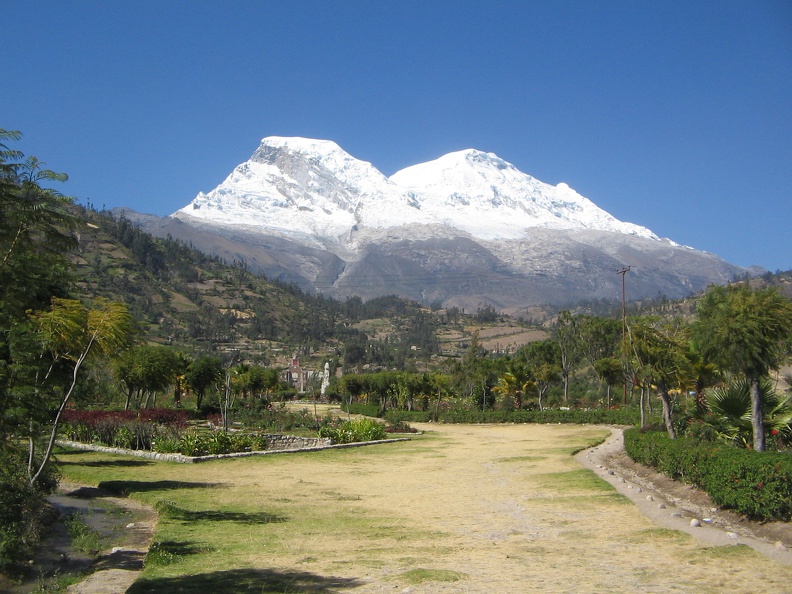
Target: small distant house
(297,376)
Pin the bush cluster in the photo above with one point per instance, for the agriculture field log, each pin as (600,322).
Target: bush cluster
(353,430)
(132,430)
(262,415)
(757,484)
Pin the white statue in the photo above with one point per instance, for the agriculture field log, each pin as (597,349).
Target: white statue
(325,379)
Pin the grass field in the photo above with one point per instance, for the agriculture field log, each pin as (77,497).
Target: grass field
(459,509)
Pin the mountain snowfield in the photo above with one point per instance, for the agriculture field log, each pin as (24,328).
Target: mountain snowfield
(314,189)
(467,229)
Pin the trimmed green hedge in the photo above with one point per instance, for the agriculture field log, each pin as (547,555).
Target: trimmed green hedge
(622,416)
(757,484)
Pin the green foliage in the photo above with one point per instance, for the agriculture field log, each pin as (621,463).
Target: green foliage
(192,443)
(369,410)
(24,512)
(619,416)
(745,331)
(354,430)
(204,374)
(84,538)
(758,484)
(731,415)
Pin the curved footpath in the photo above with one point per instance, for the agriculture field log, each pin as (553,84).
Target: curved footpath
(690,511)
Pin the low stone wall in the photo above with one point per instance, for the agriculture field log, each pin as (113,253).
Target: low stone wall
(277,444)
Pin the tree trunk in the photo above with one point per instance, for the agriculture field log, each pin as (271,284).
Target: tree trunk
(56,423)
(642,406)
(566,387)
(667,419)
(757,416)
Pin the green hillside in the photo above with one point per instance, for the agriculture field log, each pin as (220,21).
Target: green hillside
(183,297)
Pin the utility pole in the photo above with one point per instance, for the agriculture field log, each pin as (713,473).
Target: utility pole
(623,271)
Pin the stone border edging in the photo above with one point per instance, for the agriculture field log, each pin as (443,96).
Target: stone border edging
(663,509)
(182,459)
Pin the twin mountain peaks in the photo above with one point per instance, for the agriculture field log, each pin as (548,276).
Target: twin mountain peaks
(467,230)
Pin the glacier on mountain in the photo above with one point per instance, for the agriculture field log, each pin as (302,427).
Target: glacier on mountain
(315,191)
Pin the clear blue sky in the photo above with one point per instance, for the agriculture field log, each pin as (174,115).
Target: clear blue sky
(673,115)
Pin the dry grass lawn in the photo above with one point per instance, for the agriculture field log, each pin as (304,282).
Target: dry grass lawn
(501,508)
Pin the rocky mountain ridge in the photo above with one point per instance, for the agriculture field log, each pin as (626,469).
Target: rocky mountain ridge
(467,229)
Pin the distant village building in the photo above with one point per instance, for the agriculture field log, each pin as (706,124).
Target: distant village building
(297,376)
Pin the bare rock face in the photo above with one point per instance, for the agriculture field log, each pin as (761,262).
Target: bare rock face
(467,229)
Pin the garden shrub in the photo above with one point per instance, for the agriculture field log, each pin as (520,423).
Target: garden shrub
(354,430)
(757,484)
(124,429)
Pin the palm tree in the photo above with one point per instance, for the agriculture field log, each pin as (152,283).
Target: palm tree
(731,408)
(515,383)
(744,331)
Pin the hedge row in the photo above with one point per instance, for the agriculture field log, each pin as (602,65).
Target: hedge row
(622,416)
(757,484)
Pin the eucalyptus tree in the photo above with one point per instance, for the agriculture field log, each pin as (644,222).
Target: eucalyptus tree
(599,337)
(567,335)
(473,377)
(439,383)
(745,331)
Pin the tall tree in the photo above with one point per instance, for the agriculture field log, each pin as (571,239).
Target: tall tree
(567,334)
(744,331)
(659,349)
(147,370)
(70,333)
(203,374)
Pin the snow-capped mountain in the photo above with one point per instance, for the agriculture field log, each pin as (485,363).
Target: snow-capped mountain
(471,191)
(466,229)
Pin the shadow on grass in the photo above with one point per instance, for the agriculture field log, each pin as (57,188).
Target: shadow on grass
(125,488)
(246,580)
(221,516)
(165,552)
(108,463)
